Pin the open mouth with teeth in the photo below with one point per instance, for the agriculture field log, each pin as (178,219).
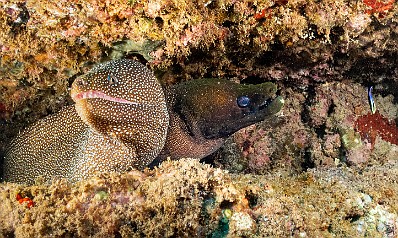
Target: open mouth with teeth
(97,94)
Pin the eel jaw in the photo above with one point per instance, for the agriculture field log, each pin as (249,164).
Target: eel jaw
(272,105)
(77,96)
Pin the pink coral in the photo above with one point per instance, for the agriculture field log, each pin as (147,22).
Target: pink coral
(359,155)
(331,145)
(256,147)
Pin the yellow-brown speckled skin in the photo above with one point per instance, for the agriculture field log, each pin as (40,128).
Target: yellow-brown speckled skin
(125,130)
(122,119)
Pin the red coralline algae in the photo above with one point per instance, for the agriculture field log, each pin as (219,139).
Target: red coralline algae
(21,200)
(371,125)
(378,6)
(265,13)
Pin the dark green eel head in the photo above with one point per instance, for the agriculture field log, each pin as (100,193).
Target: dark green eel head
(218,107)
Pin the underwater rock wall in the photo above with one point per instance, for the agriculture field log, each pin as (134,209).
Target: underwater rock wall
(44,44)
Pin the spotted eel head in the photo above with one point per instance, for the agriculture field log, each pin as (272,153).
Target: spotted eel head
(218,107)
(123,99)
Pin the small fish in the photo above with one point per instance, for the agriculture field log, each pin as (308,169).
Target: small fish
(371,101)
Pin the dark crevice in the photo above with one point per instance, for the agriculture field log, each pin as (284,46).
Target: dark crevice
(252,198)
(226,204)
(159,22)
(211,158)
(320,131)
(366,70)
(252,80)
(227,24)
(331,109)
(313,31)
(305,114)
(152,213)
(353,217)
(308,163)
(335,34)
(212,5)
(137,56)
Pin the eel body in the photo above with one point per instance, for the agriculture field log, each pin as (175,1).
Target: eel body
(124,119)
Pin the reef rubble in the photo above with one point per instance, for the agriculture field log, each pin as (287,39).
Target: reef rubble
(186,198)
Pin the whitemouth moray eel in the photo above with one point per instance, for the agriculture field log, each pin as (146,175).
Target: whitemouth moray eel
(123,119)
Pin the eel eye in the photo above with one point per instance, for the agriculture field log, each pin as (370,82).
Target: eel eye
(243,101)
(112,80)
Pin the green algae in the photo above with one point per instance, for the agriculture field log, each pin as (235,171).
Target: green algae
(222,228)
(350,139)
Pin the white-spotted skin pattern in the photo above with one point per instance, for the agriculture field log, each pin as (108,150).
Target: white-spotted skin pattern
(95,135)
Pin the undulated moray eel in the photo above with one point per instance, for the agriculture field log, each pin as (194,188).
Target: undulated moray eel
(123,119)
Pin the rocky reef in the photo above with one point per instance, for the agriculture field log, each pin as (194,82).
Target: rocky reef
(324,166)
(186,198)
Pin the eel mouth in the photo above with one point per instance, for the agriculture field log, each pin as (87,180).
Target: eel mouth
(266,103)
(270,106)
(276,99)
(76,96)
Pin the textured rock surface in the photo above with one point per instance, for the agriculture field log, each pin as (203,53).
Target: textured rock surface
(185,198)
(322,54)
